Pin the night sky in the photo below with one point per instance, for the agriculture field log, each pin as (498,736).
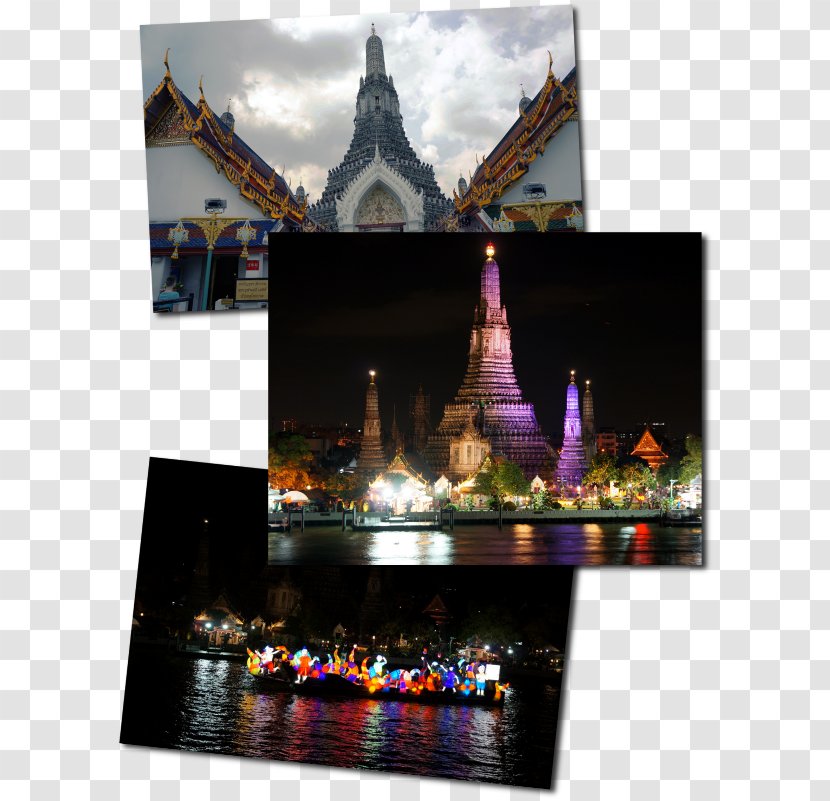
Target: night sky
(623,310)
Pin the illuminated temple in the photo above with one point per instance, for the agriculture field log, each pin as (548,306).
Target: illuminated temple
(381,185)
(571,466)
(372,458)
(488,414)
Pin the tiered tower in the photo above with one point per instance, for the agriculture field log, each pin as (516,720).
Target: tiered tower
(372,458)
(589,434)
(396,437)
(378,129)
(571,467)
(419,409)
(489,397)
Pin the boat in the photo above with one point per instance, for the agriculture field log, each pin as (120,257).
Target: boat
(397,686)
(381,522)
(333,686)
(682,517)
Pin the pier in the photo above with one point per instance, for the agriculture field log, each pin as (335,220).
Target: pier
(448,518)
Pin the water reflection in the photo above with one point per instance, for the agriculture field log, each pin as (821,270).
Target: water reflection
(217,707)
(561,544)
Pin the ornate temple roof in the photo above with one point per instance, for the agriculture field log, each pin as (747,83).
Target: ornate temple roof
(647,447)
(412,465)
(542,215)
(171,118)
(538,122)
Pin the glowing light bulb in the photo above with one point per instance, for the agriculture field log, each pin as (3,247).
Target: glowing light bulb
(490,250)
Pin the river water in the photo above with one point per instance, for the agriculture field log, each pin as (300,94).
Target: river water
(216,706)
(538,544)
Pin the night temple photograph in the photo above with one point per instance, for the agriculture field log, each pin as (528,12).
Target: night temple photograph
(353,123)
(487,399)
(454,672)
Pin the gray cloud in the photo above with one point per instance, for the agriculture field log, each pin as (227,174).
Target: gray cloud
(292,83)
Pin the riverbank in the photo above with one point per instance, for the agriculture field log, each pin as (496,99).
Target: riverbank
(477,517)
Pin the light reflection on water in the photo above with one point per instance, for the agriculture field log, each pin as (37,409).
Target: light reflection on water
(215,706)
(560,544)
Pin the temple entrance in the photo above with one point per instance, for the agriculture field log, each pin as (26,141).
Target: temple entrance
(380,211)
(224,272)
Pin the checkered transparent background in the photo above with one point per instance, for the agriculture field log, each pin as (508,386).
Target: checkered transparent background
(683,684)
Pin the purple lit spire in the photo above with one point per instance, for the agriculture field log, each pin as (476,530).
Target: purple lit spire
(489,307)
(572,467)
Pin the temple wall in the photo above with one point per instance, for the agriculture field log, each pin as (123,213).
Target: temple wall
(558,168)
(180,177)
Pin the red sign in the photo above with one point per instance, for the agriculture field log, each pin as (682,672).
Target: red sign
(251,264)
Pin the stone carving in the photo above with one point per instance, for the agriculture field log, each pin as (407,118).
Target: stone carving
(170,130)
(379,207)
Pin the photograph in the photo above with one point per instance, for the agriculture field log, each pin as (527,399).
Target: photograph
(451,121)
(488,399)
(436,671)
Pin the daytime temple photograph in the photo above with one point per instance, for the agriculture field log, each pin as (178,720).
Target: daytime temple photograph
(347,124)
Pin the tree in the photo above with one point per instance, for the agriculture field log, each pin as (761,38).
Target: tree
(290,461)
(601,472)
(347,486)
(692,463)
(502,479)
(492,624)
(669,471)
(542,501)
(638,476)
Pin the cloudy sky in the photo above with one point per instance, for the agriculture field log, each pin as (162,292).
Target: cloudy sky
(293,83)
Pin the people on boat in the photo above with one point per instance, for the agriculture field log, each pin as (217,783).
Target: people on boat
(303,663)
(377,667)
(450,680)
(480,680)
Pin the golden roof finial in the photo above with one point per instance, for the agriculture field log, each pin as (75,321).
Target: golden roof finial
(550,62)
(167,63)
(201,91)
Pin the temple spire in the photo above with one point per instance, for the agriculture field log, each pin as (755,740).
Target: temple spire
(371,458)
(490,392)
(589,436)
(490,303)
(374,55)
(571,467)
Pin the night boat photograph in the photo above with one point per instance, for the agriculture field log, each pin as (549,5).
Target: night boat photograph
(446,671)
